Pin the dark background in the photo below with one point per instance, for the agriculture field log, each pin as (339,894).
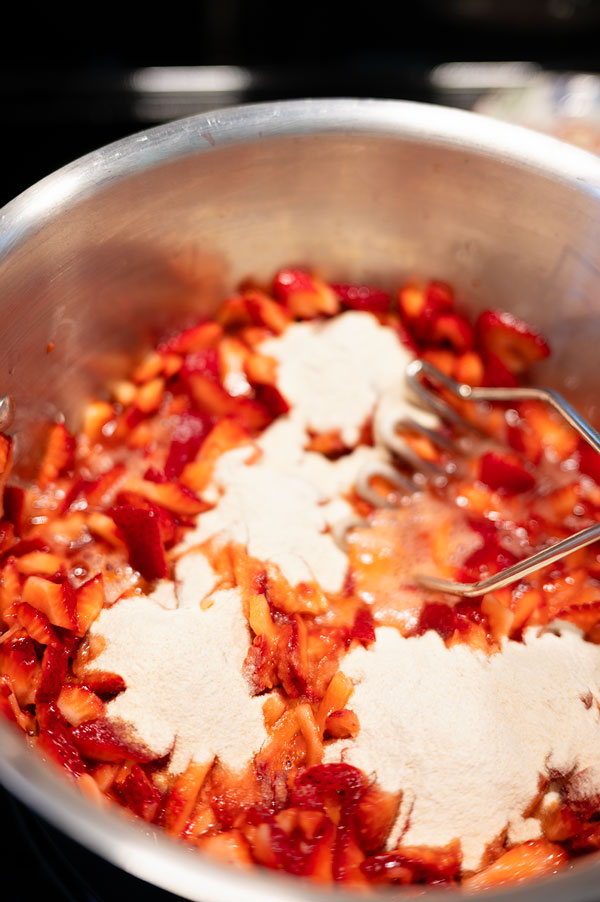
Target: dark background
(72,80)
(68,77)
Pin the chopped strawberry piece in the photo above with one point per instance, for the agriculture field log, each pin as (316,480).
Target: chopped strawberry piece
(363,627)
(489,559)
(36,625)
(14,502)
(141,531)
(89,601)
(304,294)
(202,363)
(504,474)
(496,374)
(55,600)
(453,330)
(54,740)
(269,397)
(212,399)
(186,440)
(197,338)
(100,492)
(99,740)
(517,344)
(18,661)
(79,705)
(104,684)
(54,670)
(139,794)
(438,617)
(415,864)
(589,461)
(314,785)
(293,656)
(376,813)
(363,297)
(6,459)
(58,456)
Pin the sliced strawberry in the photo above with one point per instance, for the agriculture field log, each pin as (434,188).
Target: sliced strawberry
(55,600)
(452,330)
(211,398)
(104,684)
(7,536)
(10,585)
(292,668)
(182,797)
(589,461)
(342,724)
(438,617)
(141,531)
(363,628)
(54,670)
(485,561)
(58,456)
(420,864)
(376,813)
(14,504)
(517,344)
(89,602)
(266,312)
(100,740)
(197,338)
(139,794)
(18,661)
(186,440)
(523,862)
(304,294)
(173,496)
(54,740)
(496,374)
(269,397)
(36,625)
(419,307)
(363,297)
(78,704)
(6,459)
(504,474)
(314,786)
(100,492)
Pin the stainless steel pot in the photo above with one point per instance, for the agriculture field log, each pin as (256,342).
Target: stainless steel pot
(106,251)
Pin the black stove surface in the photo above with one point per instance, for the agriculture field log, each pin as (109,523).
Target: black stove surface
(53,868)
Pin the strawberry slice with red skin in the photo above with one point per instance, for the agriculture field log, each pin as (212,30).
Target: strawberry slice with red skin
(269,397)
(496,374)
(198,338)
(186,440)
(419,307)
(79,705)
(6,460)
(504,474)
(54,671)
(14,505)
(589,461)
(453,330)
(104,684)
(363,297)
(517,344)
(89,603)
(289,281)
(55,600)
(415,864)
(485,561)
(100,741)
(314,785)
(376,813)
(18,661)
(139,794)
(363,628)
(140,529)
(100,491)
(58,457)
(7,536)
(36,625)
(55,741)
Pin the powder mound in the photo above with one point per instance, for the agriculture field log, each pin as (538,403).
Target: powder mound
(466,736)
(183,672)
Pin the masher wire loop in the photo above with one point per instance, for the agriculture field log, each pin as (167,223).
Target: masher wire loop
(419,370)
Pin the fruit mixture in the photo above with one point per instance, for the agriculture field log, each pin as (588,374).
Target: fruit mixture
(103,518)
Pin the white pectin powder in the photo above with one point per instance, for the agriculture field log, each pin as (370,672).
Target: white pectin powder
(183,672)
(334,373)
(466,737)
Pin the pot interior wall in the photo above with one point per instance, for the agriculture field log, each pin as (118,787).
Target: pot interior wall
(165,244)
